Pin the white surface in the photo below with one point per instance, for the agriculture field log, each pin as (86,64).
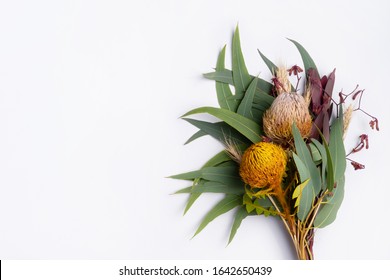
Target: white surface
(90,95)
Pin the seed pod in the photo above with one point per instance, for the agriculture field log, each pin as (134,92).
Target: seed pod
(287,108)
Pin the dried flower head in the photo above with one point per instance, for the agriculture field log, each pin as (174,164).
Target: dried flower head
(287,108)
(282,84)
(347,119)
(263,165)
(307,94)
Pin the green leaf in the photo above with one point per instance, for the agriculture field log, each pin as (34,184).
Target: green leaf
(249,206)
(219,158)
(226,76)
(217,187)
(241,76)
(223,76)
(193,196)
(320,150)
(223,89)
(245,126)
(188,175)
(219,131)
(271,66)
(241,214)
(191,200)
(225,205)
(306,58)
(297,194)
(195,136)
(315,153)
(304,154)
(245,107)
(223,174)
(336,146)
(327,164)
(184,190)
(328,212)
(264,87)
(264,99)
(307,195)
(261,205)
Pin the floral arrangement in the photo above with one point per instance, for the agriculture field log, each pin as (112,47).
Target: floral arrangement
(284,153)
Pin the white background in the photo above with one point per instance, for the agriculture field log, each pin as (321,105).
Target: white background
(90,98)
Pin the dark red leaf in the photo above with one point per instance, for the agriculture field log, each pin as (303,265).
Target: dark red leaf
(324,80)
(317,125)
(328,90)
(315,90)
(325,126)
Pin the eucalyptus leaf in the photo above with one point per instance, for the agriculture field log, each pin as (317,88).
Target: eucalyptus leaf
(219,158)
(315,153)
(308,62)
(195,136)
(217,187)
(307,195)
(245,126)
(184,190)
(223,76)
(264,87)
(223,89)
(336,146)
(245,107)
(191,200)
(219,130)
(263,99)
(188,175)
(327,164)
(226,76)
(193,196)
(304,154)
(241,77)
(324,159)
(328,212)
(271,66)
(225,205)
(241,214)
(223,174)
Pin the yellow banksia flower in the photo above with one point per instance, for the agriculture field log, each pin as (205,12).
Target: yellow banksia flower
(263,165)
(287,108)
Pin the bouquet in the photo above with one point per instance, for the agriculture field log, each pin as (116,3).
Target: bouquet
(284,153)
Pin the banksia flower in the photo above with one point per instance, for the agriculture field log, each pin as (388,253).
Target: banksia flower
(287,108)
(263,165)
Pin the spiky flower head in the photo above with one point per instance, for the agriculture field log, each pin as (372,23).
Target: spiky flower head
(263,165)
(287,108)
